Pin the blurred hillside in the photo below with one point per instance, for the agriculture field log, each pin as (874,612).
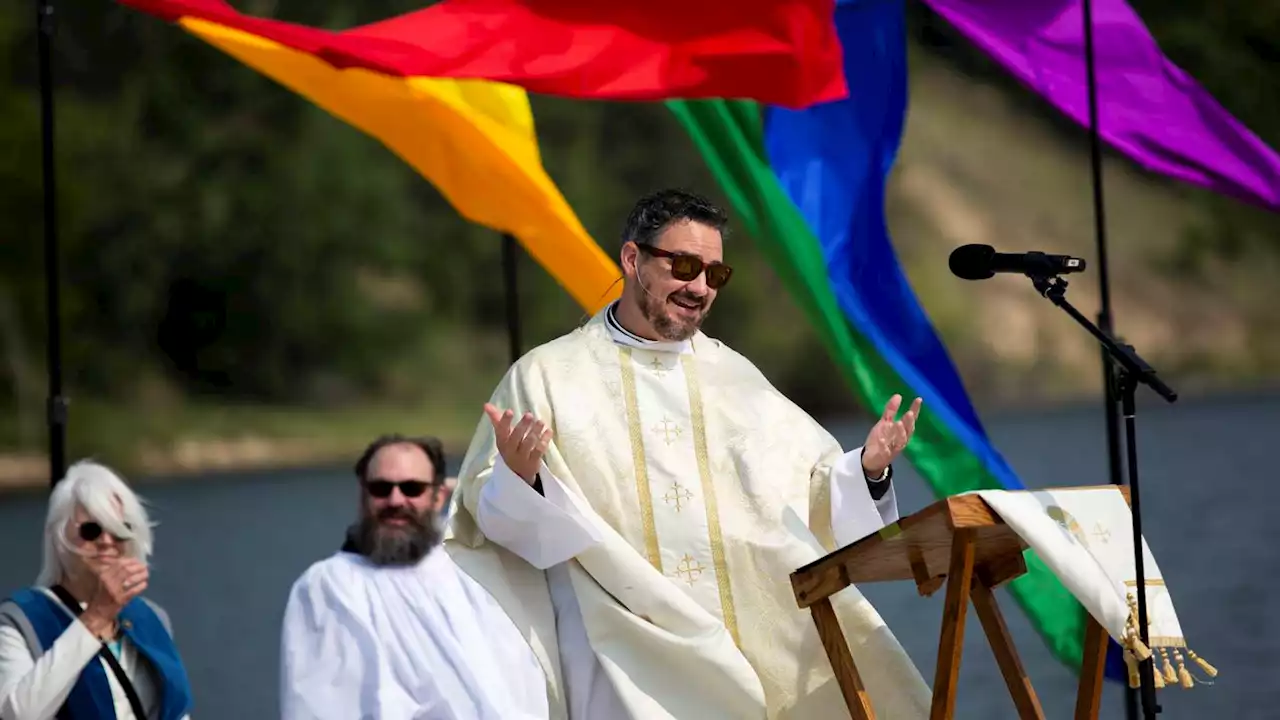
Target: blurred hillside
(248,280)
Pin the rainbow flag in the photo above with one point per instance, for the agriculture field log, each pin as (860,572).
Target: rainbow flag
(806,171)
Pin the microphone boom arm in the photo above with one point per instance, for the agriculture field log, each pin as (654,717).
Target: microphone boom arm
(1055,288)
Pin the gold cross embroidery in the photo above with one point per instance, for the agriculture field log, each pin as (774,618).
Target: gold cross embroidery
(669,430)
(677,494)
(689,569)
(658,368)
(1101,533)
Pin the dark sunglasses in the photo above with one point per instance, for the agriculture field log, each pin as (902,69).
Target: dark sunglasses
(91,530)
(686,267)
(409,488)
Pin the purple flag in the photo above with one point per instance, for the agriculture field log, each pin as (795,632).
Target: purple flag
(1147,107)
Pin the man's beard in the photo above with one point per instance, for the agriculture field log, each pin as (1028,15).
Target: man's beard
(406,544)
(671,328)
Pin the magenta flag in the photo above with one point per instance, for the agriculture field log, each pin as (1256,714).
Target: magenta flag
(1148,108)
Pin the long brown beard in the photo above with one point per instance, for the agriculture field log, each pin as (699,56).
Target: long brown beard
(397,545)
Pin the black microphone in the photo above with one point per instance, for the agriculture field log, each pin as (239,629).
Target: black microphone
(979,262)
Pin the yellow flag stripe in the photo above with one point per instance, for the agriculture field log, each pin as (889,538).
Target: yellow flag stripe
(473,139)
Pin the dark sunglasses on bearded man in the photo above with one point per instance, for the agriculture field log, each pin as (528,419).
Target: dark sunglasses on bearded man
(686,267)
(381,489)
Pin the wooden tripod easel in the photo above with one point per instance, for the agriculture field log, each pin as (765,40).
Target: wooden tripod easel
(961,542)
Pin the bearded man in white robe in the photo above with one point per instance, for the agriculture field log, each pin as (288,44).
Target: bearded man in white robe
(389,627)
(639,494)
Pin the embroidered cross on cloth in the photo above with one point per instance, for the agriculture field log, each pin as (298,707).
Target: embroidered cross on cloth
(1085,536)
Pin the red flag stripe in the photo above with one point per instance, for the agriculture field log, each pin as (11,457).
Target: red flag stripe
(782,52)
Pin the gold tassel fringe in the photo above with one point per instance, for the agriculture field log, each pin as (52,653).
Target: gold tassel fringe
(1133,638)
(1184,677)
(1169,674)
(1209,670)
(1164,673)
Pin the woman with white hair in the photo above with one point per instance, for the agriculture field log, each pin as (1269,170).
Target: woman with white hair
(83,643)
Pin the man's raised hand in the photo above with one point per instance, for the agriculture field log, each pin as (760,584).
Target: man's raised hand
(522,446)
(889,436)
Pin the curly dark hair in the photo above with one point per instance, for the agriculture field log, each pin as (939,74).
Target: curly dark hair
(654,212)
(429,445)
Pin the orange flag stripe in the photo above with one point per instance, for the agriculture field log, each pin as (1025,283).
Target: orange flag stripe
(473,139)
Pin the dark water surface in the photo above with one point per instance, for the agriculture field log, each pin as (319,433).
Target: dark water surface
(229,547)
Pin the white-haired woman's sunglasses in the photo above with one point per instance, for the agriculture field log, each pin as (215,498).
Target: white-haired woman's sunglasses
(91,530)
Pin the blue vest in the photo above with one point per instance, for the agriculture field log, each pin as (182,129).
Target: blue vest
(90,697)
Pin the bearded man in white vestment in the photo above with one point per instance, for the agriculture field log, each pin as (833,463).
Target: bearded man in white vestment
(639,494)
(389,627)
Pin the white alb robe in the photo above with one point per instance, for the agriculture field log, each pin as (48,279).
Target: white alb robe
(403,643)
(677,458)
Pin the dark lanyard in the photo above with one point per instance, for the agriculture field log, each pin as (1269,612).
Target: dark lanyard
(106,654)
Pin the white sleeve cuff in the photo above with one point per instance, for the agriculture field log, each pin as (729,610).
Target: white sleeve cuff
(854,515)
(545,529)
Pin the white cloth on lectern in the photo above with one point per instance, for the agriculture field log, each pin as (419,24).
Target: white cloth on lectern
(1085,536)
(403,643)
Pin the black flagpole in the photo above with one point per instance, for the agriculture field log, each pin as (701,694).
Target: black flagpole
(57,404)
(1110,401)
(512,291)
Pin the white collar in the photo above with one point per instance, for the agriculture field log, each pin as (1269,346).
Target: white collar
(623,336)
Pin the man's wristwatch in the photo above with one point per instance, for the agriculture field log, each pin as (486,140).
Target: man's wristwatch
(884,474)
(879,486)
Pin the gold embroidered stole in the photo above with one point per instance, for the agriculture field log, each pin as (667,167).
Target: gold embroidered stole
(675,492)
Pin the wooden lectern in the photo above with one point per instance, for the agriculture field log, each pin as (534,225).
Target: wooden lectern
(962,542)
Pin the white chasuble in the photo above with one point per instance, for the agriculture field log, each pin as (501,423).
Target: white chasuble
(681,491)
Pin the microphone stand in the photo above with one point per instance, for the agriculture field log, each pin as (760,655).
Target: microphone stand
(1132,370)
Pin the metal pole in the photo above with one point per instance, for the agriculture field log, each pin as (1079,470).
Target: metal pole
(512,291)
(1110,398)
(57,404)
